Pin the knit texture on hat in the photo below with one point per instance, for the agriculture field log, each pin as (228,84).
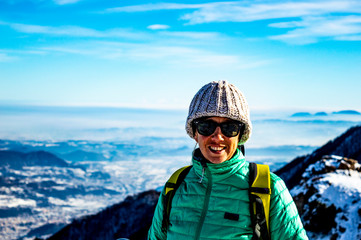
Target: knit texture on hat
(220,99)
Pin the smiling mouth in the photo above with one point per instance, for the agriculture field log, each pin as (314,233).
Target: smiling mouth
(216,149)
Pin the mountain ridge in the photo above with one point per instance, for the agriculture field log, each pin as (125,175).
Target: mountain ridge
(17,160)
(329,198)
(348,144)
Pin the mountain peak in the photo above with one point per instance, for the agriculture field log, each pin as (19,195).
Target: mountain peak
(329,198)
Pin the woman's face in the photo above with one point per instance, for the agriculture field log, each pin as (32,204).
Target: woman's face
(217,148)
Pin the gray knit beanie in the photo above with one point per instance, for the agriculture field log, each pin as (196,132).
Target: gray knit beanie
(220,99)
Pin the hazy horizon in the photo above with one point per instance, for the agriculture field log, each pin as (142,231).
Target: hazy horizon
(272,128)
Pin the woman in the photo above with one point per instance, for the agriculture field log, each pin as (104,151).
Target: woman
(213,202)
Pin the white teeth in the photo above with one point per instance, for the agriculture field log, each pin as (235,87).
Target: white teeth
(216,148)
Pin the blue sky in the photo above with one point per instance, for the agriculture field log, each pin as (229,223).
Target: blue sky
(281,54)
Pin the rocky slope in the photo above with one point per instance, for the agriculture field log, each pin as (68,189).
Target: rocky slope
(329,198)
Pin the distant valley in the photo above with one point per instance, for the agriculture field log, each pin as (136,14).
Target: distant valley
(44,185)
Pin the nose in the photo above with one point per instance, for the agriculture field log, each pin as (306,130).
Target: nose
(217,135)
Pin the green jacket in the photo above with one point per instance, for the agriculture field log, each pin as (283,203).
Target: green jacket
(211,193)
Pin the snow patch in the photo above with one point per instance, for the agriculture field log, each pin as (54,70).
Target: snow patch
(11,201)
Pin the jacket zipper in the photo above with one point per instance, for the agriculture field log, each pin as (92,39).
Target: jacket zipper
(206,200)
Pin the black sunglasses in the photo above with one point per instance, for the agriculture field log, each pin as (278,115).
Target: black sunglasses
(228,129)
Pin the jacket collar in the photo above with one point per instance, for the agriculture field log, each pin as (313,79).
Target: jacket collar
(219,171)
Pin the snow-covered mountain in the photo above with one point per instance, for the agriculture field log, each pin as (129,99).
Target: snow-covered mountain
(326,186)
(329,198)
(326,189)
(44,185)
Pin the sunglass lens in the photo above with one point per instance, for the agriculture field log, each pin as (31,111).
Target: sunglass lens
(206,128)
(230,129)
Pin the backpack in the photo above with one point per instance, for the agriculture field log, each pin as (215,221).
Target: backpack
(259,196)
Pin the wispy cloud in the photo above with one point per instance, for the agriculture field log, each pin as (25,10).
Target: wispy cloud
(245,11)
(155,7)
(155,44)
(312,20)
(356,37)
(4,57)
(248,11)
(11,55)
(192,35)
(146,53)
(57,2)
(158,27)
(311,29)
(124,34)
(193,57)
(76,31)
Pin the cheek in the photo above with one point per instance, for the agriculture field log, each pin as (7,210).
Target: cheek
(201,140)
(234,143)
(196,137)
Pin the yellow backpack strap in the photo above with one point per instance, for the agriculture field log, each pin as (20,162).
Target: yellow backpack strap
(260,196)
(170,188)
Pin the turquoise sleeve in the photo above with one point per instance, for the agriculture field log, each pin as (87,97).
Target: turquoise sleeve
(155,231)
(285,222)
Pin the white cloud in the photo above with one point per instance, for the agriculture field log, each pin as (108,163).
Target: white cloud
(174,48)
(76,31)
(248,11)
(311,20)
(171,55)
(123,34)
(192,35)
(155,7)
(158,27)
(311,29)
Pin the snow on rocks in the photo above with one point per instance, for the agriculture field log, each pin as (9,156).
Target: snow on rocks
(329,198)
